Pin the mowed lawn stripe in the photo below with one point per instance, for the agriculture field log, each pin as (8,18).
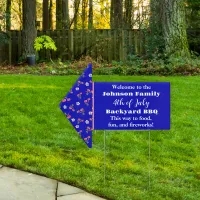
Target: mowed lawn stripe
(36,136)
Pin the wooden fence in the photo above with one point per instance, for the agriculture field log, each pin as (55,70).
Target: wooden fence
(72,44)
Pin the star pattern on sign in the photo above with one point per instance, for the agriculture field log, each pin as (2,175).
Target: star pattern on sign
(77,106)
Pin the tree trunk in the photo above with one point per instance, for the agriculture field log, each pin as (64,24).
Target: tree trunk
(20,14)
(174,28)
(83,16)
(66,21)
(128,14)
(156,38)
(51,14)
(90,16)
(29,27)
(117,14)
(112,14)
(45,15)
(76,12)
(8,15)
(168,28)
(59,21)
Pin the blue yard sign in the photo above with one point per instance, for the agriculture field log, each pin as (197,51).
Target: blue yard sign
(116,106)
(131,106)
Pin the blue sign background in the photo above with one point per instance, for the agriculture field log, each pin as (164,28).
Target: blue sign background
(131,106)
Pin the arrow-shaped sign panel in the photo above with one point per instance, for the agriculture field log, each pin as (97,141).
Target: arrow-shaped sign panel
(77,106)
(116,106)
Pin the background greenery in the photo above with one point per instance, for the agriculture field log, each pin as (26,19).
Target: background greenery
(133,66)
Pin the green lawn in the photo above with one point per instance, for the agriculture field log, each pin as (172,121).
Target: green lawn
(35,136)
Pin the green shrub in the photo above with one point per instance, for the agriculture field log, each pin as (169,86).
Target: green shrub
(175,66)
(103,71)
(118,70)
(44,41)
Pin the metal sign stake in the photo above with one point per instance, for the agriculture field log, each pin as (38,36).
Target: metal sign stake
(104,157)
(149,159)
